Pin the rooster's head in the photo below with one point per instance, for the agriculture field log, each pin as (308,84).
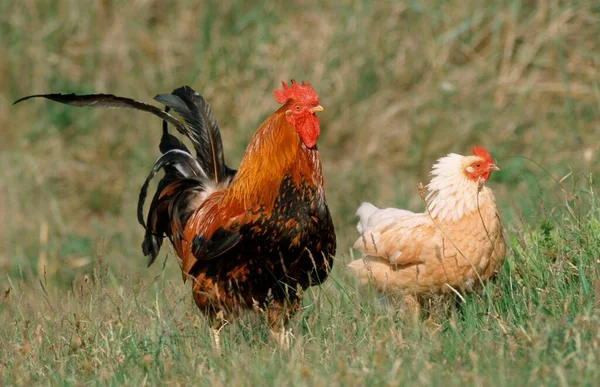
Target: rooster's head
(301,102)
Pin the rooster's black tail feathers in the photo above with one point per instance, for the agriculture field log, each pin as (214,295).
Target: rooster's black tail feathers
(186,177)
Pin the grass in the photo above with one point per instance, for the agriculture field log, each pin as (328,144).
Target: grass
(403,83)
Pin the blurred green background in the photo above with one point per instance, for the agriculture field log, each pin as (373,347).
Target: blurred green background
(403,83)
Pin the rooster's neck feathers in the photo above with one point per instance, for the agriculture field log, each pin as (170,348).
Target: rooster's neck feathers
(275,151)
(451,195)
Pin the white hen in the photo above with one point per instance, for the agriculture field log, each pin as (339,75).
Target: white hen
(456,243)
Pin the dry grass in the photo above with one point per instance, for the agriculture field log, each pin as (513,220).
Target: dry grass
(403,83)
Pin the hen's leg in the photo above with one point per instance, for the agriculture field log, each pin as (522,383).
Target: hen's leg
(413,306)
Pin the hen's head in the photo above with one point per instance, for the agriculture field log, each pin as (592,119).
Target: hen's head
(480,165)
(302,102)
(456,183)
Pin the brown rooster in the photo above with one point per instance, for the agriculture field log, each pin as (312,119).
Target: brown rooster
(455,245)
(248,239)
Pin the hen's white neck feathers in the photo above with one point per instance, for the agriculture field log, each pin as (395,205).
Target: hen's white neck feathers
(451,195)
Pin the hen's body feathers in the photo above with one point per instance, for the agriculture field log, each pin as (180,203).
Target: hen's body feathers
(456,244)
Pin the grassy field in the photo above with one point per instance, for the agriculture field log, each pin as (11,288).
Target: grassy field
(403,83)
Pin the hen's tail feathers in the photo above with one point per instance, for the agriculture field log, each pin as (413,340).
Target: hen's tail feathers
(364,212)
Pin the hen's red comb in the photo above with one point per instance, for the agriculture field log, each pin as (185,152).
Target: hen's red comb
(303,93)
(481,152)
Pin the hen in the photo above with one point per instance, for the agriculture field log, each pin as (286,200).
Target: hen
(456,243)
(255,238)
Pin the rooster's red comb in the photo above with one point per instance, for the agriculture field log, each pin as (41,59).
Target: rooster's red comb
(484,154)
(303,93)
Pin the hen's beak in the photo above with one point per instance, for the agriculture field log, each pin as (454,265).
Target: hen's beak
(315,109)
(493,167)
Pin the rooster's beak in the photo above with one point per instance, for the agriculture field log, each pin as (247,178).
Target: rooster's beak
(315,109)
(493,167)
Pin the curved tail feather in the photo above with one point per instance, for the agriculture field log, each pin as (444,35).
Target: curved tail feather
(204,130)
(187,178)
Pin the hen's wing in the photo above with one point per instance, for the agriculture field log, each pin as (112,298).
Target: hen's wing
(369,215)
(399,237)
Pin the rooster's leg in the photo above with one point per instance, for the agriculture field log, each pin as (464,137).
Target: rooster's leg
(217,324)
(282,336)
(216,335)
(278,316)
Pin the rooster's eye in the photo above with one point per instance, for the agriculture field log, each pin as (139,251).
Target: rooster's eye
(297,107)
(478,165)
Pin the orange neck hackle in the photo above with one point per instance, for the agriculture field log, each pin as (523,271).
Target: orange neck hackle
(284,145)
(275,151)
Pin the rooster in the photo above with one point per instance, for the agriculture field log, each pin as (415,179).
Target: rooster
(255,238)
(455,244)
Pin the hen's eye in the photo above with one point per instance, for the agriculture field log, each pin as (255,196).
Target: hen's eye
(297,107)
(478,165)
